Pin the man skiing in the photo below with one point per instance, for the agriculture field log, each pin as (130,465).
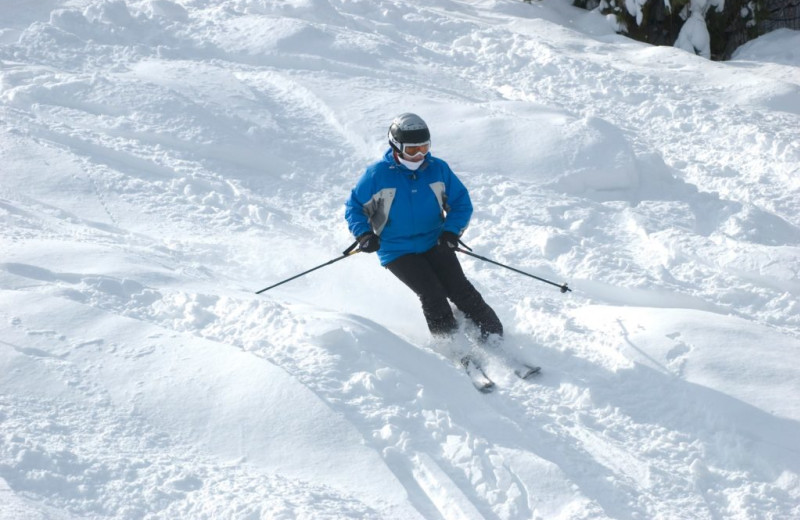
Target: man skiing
(411,209)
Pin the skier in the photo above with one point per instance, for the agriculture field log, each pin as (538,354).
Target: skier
(411,208)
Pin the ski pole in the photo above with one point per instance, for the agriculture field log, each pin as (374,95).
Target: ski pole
(563,287)
(347,252)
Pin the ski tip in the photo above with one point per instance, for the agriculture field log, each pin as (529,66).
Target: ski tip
(527,372)
(487,388)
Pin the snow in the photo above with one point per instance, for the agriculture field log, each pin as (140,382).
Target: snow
(694,37)
(162,161)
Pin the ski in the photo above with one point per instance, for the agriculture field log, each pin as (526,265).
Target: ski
(480,380)
(524,371)
(521,369)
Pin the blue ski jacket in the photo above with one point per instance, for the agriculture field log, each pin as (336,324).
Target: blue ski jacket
(407,209)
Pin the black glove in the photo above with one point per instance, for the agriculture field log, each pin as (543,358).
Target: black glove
(448,240)
(369,242)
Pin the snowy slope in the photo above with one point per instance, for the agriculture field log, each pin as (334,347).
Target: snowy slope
(162,161)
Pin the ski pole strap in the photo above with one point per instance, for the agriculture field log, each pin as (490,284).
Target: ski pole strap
(563,286)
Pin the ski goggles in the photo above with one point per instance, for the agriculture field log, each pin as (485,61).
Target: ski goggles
(412,149)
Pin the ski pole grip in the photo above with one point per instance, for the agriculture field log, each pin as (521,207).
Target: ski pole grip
(350,249)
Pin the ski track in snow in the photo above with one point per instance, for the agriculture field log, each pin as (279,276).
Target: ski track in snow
(163,160)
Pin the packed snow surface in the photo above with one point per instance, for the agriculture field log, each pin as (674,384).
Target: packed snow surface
(161,161)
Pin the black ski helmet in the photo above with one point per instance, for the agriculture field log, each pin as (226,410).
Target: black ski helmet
(407,129)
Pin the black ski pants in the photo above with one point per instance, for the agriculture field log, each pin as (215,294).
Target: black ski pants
(436,276)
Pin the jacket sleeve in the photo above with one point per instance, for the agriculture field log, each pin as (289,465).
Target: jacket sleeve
(354,212)
(458,204)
